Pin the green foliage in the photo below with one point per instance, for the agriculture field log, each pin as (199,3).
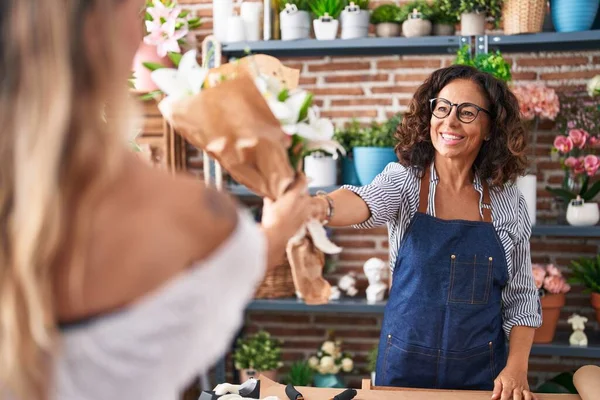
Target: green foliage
(586,271)
(302,5)
(331,7)
(440,16)
(420,5)
(375,135)
(260,352)
(346,135)
(372,359)
(387,13)
(492,63)
(491,8)
(301,374)
(362,4)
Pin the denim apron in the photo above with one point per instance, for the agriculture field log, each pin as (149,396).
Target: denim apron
(442,327)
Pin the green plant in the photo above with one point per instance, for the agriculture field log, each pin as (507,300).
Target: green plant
(491,8)
(440,16)
(332,8)
(362,4)
(348,134)
(330,359)
(389,13)
(376,135)
(492,63)
(372,359)
(301,374)
(302,5)
(586,271)
(260,352)
(420,5)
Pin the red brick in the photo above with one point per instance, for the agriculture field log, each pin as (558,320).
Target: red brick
(356,243)
(339,66)
(570,75)
(346,256)
(349,113)
(357,78)
(374,231)
(350,320)
(563,247)
(342,91)
(524,76)
(596,60)
(301,344)
(416,77)
(307,80)
(394,89)
(394,64)
(551,61)
(354,333)
(279,318)
(362,102)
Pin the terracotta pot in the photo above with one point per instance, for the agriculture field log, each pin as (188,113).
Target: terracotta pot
(147,53)
(551,306)
(596,304)
(246,374)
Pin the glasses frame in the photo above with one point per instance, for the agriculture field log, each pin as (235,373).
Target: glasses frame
(479,109)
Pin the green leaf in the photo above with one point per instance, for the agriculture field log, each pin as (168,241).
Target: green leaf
(565,194)
(184,13)
(305,106)
(194,23)
(153,66)
(592,192)
(150,95)
(175,57)
(283,95)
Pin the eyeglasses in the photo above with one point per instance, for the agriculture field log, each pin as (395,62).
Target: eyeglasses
(466,112)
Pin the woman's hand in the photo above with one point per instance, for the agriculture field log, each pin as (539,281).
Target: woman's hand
(512,384)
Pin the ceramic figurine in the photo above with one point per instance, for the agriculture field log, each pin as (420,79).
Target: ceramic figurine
(347,284)
(335,293)
(375,270)
(578,337)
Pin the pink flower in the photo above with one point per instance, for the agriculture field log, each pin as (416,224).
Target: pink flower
(579,167)
(579,137)
(594,142)
(552,270)
(539,273)
(165,37)
(564,144)
(591,164)
(556,284)
(537,100)
(571,162)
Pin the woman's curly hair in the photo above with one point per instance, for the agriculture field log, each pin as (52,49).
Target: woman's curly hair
(501,159)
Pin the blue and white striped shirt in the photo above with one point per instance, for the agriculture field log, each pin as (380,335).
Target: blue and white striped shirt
(393,199)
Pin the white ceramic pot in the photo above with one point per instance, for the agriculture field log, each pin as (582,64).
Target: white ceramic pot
(325,28)
(528,186)
(321,170)
(251,13)
(222,10)
(295,24)
(472,24)
(580,213)
(236,31)
(355,24)
(388,29)
(415,27)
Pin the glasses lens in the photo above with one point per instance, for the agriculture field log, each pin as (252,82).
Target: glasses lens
(440,108)
(467,113)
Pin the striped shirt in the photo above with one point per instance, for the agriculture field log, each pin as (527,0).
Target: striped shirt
(393,199)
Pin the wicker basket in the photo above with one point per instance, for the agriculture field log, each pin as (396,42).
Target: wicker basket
(523,16)
(277,283)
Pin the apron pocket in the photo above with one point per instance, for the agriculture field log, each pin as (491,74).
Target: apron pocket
(409,365)
(470,279)
(469,370)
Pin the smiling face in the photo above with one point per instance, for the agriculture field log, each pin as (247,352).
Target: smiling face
(453,138)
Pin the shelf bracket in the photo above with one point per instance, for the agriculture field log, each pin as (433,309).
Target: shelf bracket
(481,44)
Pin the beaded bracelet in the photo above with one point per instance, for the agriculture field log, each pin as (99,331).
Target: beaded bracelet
(323,194)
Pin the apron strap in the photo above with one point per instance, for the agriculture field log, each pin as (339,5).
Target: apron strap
(486,205)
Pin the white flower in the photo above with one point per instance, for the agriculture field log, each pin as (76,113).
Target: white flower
(318,133)
(593,86)
(313,362)
(335,369)
(328,347)
(347,365)
(327,363)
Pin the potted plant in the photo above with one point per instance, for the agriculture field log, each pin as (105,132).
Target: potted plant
(473,14)
(372,363)
(374,149)
(586,271)
(492,63)
(355,19)
(387,19)
(573,16)
(257,354)
(418,14)
(444,23)
(301,374)
(552,287)
(346,136)
(328,362)
(294,19)
(320,168)
(326,13)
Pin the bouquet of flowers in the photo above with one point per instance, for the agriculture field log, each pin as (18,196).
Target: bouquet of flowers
(577,154)
(549,280)
(330,359)
(537,101)
(250,116)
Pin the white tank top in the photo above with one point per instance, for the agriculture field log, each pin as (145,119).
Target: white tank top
(154,349)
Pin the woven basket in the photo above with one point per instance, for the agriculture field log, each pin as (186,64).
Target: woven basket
(277,283)
(523,16)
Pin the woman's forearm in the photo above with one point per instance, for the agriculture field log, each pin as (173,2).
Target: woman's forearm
(348,208)
(521,340)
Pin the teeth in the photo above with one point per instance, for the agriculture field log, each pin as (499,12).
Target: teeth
(450,137)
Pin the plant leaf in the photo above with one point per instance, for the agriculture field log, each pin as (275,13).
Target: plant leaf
(305,106)
(592,192)
(565,194)
(175,57)
(153,66)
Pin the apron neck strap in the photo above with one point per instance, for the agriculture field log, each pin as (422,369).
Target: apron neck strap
(486,208)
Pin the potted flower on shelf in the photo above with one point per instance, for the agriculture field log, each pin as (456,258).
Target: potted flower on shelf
(586,271)
(326,13)
(328,362)
(346,137)
(294,19)
(552,287)
(473,14)
(387,19)
(444,23)
(355,19)
(258,354)
(418,15)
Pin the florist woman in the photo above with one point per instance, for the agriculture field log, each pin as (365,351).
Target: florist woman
(459,240)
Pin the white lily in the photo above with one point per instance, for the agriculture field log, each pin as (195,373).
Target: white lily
(318,133)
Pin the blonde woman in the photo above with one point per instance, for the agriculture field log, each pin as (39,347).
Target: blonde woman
(117,281)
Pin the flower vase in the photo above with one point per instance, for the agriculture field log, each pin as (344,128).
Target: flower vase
(147,53)
(551,306)
(328,381)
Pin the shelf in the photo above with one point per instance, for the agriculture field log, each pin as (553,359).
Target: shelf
(561,347)
(354,306)
(427,45)
(566,231)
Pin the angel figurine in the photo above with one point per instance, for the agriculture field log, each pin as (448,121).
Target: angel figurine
(578,337)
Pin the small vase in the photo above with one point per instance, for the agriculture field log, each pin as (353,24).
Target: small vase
(349,175)
(355,23)
(573,16)
(416,26)
(388,29)
(328,381)
(295,24)
(472,24)
(551,306)
(580,213)
(325,28)
(443,30)
(320,170)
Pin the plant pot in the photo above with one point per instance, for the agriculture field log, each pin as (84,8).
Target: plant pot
(443,30)
(370,161)
(325,29)
(472,24)
(595,300)
(585,214)
(355,24)
(528,186)
(523,16)
(388,29)
(320,170)
(573,16)
(349,175)
(294,25)
(551,306)
(415,27)
(328,381)
(373,375)
(147,53)
(246,374)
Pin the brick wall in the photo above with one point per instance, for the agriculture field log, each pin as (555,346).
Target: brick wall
(376,88)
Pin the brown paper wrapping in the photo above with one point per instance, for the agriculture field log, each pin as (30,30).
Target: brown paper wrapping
(233,123)
(587,382)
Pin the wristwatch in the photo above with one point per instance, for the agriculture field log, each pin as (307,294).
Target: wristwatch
(324,194)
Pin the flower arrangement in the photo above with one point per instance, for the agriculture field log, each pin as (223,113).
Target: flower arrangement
(549,280)
(537,101)
(330,359)
(577,154)
(259,352)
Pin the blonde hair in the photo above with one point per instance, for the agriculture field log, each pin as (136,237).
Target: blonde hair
(55,153)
